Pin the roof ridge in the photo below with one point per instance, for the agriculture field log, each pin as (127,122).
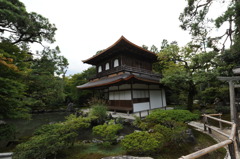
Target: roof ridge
(114,44)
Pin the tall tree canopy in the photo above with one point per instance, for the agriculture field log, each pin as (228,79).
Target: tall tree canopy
(79,97)
(196,19)
(26,79)
(185,68)
(17,25)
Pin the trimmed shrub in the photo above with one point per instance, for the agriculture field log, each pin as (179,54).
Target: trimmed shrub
(107,132)
(143,142)
(100,112)
(160,116)
(49,139)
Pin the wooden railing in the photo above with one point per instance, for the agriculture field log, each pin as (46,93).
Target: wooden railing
(127,69)
(231,142)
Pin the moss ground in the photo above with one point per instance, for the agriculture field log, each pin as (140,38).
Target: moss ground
(94,151)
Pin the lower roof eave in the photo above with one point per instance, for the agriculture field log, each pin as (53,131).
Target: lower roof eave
(107,82)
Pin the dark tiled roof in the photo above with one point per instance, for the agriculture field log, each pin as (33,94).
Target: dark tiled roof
(107,81)
(120,43)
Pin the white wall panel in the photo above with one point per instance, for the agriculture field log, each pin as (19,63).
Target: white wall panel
(111,95)
(140,94)
(164,98)
(121,95)
(140,107)
(156,99)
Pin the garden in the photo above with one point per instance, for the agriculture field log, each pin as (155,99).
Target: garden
(162,134)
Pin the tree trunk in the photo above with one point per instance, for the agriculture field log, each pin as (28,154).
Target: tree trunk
(191,94)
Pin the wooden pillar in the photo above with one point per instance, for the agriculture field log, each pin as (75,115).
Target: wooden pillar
(205,121)
(132,94)
(162,97)
(149,97)
(231,151)
(232,102)
(220,123)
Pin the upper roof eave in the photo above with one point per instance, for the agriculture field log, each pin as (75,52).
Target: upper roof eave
(118,41)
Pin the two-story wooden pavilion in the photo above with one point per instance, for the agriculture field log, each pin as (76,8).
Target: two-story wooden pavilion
(124,75)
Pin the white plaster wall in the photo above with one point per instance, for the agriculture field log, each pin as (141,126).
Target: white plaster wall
(164,98)
(125,95)
(156,99)
(140,107)
(121,95)
(140,94)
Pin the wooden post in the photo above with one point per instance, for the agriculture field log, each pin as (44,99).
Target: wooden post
(205,121)
(220,123)
(231,150)
(209,130)
(234,116)
(140,115)
(237,138)
(232,102)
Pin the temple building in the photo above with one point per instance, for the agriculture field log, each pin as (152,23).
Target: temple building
(125,78)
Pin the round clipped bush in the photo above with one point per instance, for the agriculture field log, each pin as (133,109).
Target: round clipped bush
(107,132)
(160,116)
(142,142)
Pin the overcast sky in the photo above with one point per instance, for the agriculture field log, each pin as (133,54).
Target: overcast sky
(86,26)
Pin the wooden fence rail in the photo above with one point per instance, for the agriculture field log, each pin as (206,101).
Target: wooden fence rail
(231,142)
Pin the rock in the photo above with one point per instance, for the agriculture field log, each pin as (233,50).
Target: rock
(86,141)
(79,113)
(190,137)
(85,114)
(70,107)
(2,122)
(137,130)
(110,116)
(96,141)
(127,121)
(150,130)
(52,122)
(120,138)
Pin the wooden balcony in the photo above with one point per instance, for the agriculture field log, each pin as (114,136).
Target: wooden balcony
(125,68)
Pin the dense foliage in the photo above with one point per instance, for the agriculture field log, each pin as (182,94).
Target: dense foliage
(107,132)
(7,132)
(159,130)
(49,139)
(79,98)
(160,116)
(188,67)
(28,81)
(142,142)
(17,25)
(99,111)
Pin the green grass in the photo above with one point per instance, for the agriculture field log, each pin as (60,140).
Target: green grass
(90,151)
